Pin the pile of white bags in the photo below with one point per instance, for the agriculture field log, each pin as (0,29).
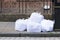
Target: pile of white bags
(20,25)
(36,17)
(47,25)
(36,23)
(33,27)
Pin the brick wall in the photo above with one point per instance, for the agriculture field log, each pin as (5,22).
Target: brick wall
(13,6)
(12,9)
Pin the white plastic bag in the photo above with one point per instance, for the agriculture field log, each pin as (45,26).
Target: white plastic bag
(47,25)
(33,27)
(20,25)
(36,17)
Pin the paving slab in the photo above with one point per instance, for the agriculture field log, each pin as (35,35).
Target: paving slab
(29,38)
(7,26)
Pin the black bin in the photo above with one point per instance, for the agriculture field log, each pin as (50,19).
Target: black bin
(57,19)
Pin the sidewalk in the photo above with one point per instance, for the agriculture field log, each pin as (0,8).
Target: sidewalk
(7,29)
(29,38)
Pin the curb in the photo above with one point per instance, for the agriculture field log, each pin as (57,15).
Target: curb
(26,34)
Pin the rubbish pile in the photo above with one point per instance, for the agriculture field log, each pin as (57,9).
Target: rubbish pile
(35,23)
